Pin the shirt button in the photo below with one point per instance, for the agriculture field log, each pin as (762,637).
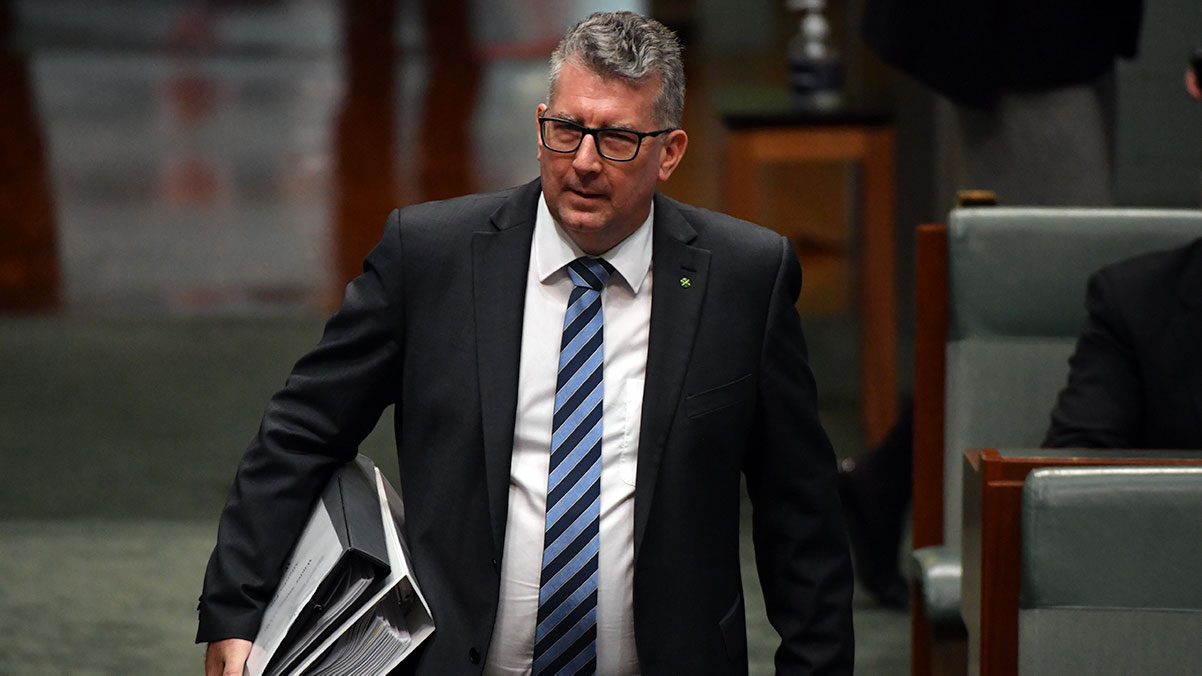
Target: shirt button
(473,656)
(495,565)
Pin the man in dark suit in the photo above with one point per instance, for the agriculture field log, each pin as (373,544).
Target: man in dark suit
(469,318)
(1135,378)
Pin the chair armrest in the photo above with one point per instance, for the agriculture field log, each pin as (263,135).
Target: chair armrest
(937,571)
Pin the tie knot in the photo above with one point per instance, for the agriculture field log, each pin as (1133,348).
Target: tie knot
(590,272)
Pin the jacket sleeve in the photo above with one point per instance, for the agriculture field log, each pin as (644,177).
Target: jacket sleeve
(1102,404)
(330,402)
(801,548)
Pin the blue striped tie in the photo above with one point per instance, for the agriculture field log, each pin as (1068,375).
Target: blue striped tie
(565,641)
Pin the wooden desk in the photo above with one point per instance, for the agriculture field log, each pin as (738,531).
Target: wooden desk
(992,540)
(759,139)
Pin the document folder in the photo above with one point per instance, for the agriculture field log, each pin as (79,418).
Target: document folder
(347,602)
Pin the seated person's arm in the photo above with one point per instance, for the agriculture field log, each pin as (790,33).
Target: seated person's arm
(1102,404)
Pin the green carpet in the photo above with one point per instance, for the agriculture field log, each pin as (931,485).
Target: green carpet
(89,596)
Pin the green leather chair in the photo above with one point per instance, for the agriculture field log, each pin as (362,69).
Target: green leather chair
(1015,288)
(1111,558)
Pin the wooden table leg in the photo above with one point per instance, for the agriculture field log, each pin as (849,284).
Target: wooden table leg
(877,292)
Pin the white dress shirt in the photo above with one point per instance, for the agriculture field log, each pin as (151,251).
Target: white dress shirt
(626,303)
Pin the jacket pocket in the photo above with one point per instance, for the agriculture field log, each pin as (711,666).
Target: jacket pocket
(713,399)
(734,631)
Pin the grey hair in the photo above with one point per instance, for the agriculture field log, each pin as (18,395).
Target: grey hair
(628,47)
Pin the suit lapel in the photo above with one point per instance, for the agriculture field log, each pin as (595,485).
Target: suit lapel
(680,277)
(500,259)
(1187,330)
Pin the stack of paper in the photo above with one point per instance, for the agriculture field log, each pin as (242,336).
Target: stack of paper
(370,646)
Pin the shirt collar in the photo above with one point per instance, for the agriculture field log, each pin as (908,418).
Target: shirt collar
(553,249)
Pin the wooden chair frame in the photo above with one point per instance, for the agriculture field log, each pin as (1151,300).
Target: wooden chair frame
(932,649)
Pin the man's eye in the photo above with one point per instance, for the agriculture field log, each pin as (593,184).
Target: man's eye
(565,131)
(617,140)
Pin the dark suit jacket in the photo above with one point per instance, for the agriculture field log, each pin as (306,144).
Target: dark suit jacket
(434,325)
(971,50)
(1135,380)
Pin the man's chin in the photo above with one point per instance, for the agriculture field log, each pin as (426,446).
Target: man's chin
(583,222)
(588,234)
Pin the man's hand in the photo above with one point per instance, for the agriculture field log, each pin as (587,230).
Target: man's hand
(226,658)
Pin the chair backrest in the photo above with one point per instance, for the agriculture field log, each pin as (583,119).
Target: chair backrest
(1110,561)
(1016,284)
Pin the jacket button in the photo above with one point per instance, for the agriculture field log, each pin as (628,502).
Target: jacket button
(473,656)
(495,564)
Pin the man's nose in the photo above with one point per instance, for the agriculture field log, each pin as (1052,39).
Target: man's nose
(588,159)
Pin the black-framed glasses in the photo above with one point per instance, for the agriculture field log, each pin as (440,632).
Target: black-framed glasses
(618,145)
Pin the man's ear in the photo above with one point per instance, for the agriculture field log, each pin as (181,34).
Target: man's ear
(672,152)
(538,134)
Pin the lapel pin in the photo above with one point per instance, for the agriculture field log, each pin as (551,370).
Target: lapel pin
(685,282)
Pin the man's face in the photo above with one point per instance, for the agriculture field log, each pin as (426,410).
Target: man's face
(599,202)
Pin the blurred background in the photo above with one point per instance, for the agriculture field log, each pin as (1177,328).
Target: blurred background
(186,186)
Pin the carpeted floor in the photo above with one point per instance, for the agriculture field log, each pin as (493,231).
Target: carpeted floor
(119,440)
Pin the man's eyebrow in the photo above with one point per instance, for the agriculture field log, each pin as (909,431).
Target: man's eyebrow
(563,116)
(576,121)
(620,127)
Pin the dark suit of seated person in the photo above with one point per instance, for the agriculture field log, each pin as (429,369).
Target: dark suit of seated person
(1135,378)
